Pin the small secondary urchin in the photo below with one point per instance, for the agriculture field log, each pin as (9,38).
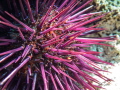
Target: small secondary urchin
(44,45)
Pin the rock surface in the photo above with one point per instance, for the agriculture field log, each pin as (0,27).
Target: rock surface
(111,23)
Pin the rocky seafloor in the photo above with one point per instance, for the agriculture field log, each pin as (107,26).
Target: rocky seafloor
(111,23)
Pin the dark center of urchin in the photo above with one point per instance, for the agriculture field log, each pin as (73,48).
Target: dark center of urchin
(37,43)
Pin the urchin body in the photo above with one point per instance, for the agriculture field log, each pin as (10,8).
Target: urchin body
(46,47)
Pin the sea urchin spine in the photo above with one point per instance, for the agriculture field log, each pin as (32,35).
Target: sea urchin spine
(45,46)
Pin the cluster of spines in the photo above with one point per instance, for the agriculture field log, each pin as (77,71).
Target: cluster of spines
(53,53)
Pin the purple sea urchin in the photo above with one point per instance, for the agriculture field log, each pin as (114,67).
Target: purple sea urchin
(43,45)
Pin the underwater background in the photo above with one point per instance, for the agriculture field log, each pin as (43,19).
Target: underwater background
(111,54)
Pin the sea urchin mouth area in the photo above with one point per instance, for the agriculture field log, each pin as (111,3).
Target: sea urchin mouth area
(46,48)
